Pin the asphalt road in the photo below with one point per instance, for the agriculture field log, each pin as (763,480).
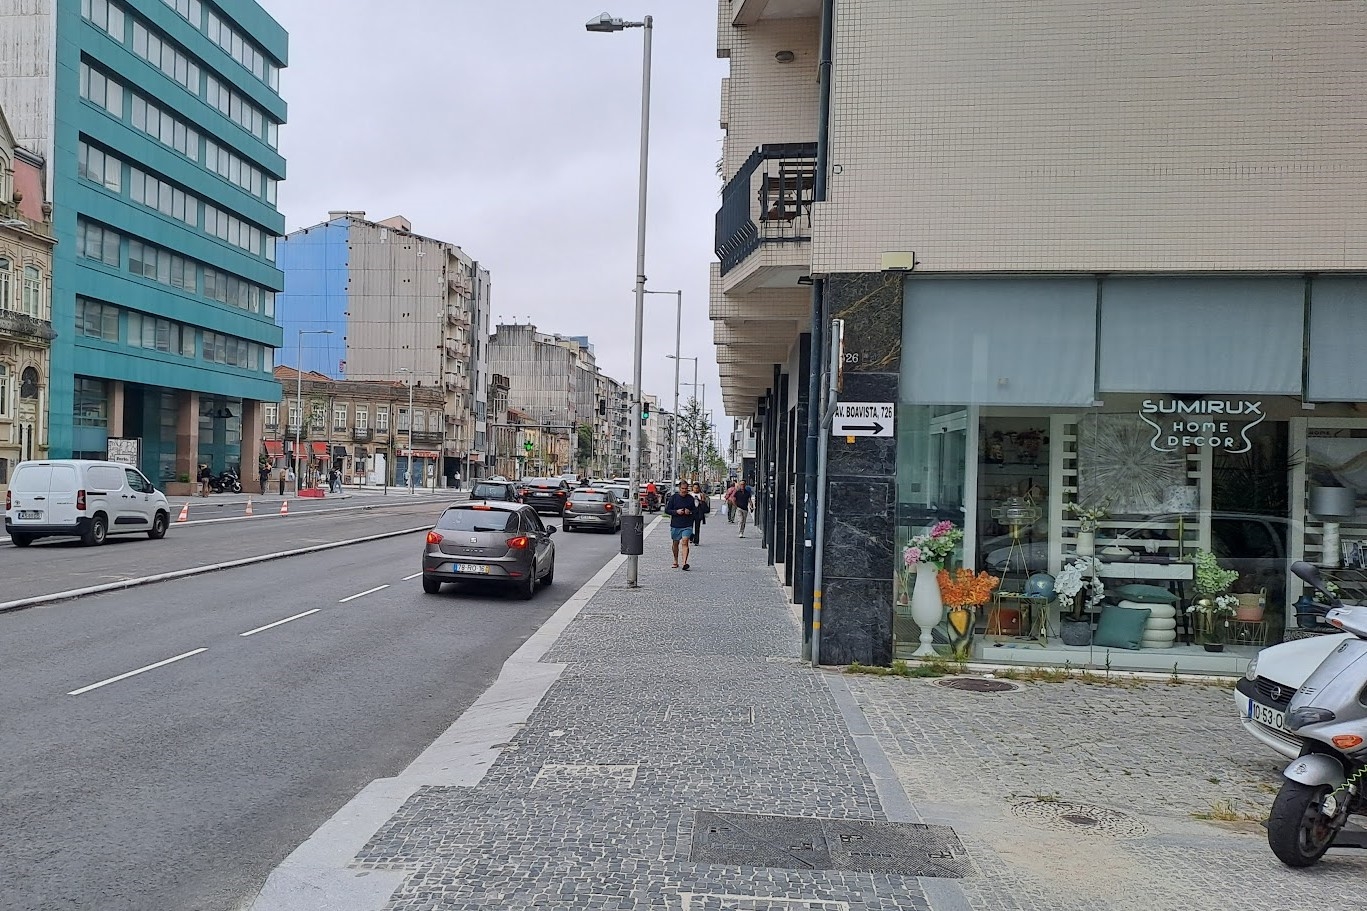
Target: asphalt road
(183,786)
(212,535)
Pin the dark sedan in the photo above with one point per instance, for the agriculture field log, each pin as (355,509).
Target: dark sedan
(504,543)
(545,494)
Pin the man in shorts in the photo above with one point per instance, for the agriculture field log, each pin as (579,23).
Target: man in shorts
(681,508)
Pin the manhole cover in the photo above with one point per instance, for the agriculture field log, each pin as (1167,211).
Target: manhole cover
(976,684)
(1066,816)
(852,845)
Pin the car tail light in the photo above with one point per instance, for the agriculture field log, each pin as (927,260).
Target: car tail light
(519,543)
(1346,741)
(561,493)
(433,538)
(80,499)
(7,501)
(607,507)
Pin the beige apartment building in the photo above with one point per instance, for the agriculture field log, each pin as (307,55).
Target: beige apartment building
(1102,258)
(26,333)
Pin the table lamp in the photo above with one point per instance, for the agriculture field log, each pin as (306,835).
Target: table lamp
(1329,504)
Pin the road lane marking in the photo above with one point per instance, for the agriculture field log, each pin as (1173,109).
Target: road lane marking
(141,670)
(414,576)
(369,591)
(252,632)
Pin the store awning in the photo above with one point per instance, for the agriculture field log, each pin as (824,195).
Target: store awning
(320,449)
(274,447)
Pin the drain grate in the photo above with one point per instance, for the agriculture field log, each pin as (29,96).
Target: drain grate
(723,901)
(1086,818)
(710,714)
(622,777)
(976,685)
(852,845)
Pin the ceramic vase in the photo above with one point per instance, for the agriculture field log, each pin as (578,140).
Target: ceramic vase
(926,606)
(1086,543)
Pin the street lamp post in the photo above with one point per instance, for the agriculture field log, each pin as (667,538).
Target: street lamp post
(675,358)
(410,428)
(606,23)
(299,397)
(674,425)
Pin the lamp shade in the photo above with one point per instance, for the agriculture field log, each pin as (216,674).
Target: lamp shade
(1333,502)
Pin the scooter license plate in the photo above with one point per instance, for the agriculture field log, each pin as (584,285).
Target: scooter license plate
(1267,716)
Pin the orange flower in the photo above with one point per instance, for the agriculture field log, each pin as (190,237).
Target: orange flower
(964,588)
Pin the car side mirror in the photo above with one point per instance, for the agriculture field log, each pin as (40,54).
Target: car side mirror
(550,529)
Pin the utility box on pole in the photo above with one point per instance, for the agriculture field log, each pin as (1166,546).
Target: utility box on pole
(633,535)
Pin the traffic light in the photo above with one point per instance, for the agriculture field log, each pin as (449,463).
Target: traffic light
(528,445)
(645,411)
(603,406)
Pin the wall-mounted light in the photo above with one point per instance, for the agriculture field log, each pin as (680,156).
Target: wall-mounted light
(785,56)
(804,279)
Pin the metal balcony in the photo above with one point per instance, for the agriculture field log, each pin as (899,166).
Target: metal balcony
(769,200)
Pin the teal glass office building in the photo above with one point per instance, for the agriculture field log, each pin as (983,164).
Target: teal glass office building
(161,122)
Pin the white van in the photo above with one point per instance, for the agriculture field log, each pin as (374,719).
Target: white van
(85,498)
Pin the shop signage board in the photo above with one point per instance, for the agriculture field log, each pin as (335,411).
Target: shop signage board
(863,419)
(1220,424)
(123,451)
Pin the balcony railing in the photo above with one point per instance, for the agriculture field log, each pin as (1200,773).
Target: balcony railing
(426,437)
(778,210)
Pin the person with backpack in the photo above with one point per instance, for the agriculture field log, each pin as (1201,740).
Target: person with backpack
(742,497)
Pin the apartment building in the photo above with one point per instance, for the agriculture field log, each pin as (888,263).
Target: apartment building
(1052,236)
(372,300)
(26,331)
(544,385)
(159,122)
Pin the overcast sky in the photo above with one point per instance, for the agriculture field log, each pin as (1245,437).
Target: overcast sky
(508,129)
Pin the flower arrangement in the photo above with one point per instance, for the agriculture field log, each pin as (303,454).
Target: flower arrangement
(1076,575)
(964,588)
(1089,518)
(1219,607)
(935,546)
(1211,578)
(1319,596)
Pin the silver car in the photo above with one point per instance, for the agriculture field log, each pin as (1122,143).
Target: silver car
(504,543)
(592,508)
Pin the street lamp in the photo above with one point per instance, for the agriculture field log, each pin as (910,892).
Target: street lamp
(410,427)
(299,397)
(674,426)
(675,358)
(607,23)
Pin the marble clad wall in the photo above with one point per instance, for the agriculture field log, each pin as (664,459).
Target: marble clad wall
(856,623)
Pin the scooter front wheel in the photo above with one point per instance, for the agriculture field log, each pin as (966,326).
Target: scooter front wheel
(1304,822)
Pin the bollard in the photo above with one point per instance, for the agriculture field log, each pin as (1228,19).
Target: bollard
(633,535)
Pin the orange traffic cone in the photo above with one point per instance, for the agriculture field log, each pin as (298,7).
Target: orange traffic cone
(184,512)
(284,507)
(249,505)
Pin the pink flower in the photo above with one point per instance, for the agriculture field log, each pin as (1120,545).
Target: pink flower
(911,555)
(940,529)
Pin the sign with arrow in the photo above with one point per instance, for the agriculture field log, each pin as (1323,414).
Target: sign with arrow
(863,419)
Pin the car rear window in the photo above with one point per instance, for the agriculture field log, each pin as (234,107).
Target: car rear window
(589,496)
(32,479)
(489,490)
(545,482)
(466,518)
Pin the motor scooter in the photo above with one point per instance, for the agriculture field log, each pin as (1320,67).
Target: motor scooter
(227,482)
(1326,784)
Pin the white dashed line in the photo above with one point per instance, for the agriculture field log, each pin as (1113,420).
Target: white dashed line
(141,670)
(369,591)
(252,632)
(409,578)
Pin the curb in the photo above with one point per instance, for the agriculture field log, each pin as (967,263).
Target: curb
(71,594)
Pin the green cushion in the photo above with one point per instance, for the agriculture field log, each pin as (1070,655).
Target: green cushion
(1145,594)
(1120,627)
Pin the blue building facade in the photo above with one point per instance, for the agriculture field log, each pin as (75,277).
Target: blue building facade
(315,301)
(163,140)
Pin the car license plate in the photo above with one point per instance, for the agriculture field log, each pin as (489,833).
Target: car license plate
(1266,716)
(476,568)
(30,514)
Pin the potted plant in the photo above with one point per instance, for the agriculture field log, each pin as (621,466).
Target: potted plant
(1214,605)
(963,592)
(1076,585)
(928,553)
(1088,520)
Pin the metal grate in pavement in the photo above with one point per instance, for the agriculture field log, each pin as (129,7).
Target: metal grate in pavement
(710,714)
(803,843)
(1080,818)
(559,775)
(976,685)
(721,901)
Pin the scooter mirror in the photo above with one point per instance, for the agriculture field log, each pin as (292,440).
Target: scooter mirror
(1310,574)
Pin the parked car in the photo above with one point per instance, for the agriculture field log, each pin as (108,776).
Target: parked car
(503,543)
(621,491)
(86,498)
(545,494)
(495,490)
(590,507)
(1261,696)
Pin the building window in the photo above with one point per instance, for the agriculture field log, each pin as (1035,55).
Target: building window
(166,57)
(362,419)
(97,242)
(339,417)
(6,273)
(435,421)
(272,414)
(97,320)
(318,417)
(33,292)
(382,419)
(419,421)
(294,415)
(96,165)
(403,419)
(4,391)
(104,15)
(156,334)
(218,348)
(98,88)
(157,194)
(164,128)
(91,403)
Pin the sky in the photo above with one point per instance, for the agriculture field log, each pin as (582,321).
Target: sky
(507,128)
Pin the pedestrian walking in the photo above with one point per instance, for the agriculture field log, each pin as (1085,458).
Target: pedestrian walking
(680,509)
(335,480)
(265,474)
(292,478)
(203,478)
(282,482)
(742,497)
(704,507)
(457,477)
(730,502)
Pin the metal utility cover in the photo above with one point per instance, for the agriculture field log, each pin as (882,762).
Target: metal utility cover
(852,845)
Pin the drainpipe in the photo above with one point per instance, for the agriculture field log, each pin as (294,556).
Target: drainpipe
(814,478)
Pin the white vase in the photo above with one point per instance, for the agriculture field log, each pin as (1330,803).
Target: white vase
(927,609)
(1086,543)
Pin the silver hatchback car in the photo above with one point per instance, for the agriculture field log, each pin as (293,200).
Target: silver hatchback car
(504,543)
(592,508)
